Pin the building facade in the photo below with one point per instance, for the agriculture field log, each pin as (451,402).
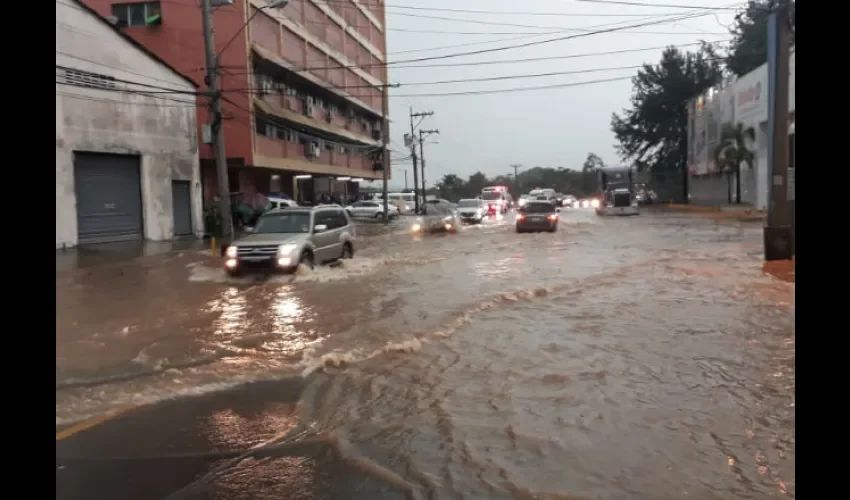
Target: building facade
(303,87)
(127,165)
(743,100)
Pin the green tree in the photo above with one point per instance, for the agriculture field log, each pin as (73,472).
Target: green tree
(748,49)
(655,130)
(450,187)
(733,152)
(592,163)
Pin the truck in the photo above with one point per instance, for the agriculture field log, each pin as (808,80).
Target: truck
(618,191)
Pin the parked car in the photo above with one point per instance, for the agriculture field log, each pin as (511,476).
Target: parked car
(371,209)
(284,239)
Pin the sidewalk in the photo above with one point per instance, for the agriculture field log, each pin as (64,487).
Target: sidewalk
(742,213)
(109,253)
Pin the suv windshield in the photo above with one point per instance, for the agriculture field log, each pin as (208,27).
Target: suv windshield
(469,203)
(538,208)
(293,222)
(491,195)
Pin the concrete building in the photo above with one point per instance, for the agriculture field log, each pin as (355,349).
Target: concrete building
(742,100)
(303,87)
(127,164)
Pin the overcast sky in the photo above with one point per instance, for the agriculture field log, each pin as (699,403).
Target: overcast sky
(552,127)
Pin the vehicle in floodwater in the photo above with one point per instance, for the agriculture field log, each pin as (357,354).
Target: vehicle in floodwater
(618,191)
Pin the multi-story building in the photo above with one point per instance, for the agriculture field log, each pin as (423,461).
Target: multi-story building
(742,100)
(302,84)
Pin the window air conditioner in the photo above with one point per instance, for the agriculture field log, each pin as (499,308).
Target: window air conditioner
(265,86)
(376,133)
(308,106)
(312,149)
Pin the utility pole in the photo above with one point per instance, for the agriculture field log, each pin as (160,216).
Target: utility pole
(777,232)
(405,179)
(516,168)
(385,149)
(412,140)
(219,152)
(422,135)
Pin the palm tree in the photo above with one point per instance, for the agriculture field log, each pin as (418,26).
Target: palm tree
(733,151)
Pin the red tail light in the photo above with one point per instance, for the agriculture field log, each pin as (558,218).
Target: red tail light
(520,217)
(553,216)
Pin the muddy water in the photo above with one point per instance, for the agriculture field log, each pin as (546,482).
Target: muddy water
(641,357)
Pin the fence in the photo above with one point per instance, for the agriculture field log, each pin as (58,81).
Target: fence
(669,187)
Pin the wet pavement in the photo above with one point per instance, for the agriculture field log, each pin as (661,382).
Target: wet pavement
(619,358)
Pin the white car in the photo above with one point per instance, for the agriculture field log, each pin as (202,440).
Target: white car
(277,203)
(371,210)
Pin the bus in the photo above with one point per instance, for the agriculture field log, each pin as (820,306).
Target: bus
(404,201)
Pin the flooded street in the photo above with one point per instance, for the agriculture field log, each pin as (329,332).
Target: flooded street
(619,358)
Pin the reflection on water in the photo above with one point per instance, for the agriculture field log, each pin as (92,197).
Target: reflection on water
(231,308)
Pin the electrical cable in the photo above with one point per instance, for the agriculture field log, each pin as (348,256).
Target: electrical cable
(507,77)
(653,5)
(473,11)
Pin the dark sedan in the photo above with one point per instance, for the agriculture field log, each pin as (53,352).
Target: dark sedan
(537,215)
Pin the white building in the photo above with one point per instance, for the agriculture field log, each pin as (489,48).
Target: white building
(126,137)
(744,100)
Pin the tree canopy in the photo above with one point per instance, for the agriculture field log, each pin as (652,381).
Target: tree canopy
(653,133)
(564,180)
(748,49)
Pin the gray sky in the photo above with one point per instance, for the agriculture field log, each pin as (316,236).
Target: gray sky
(553,127)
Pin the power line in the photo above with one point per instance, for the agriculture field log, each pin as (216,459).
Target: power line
(516,89)
(654,5)
(508,47)
(474,11)
(534,59)
(510,77)
(514,25)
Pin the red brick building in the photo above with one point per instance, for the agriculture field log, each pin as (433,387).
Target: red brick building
(302,86)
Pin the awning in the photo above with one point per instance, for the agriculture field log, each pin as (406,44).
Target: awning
(274,59)
(312,124)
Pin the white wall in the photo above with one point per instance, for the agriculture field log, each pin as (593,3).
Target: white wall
(161,128)
(751,108)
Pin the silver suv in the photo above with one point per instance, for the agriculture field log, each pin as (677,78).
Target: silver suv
(283,239)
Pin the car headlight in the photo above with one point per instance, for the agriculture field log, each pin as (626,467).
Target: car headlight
(447,218)
(286,248)
(231,252)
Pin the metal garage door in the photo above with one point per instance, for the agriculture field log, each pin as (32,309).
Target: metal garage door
(181,199)
(109,197)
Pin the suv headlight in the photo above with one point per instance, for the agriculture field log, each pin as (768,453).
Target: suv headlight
(231,252)
(286,249)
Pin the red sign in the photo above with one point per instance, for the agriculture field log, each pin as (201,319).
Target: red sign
(749,95)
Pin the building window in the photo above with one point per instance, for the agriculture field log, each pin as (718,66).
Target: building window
(137,14)
(80,78)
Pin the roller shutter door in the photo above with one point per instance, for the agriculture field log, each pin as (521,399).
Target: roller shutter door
(109,197)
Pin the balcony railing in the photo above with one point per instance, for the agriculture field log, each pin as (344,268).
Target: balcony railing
(277,148)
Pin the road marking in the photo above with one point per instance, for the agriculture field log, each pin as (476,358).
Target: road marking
(92,422)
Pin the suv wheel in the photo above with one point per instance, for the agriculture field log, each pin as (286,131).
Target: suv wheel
(307,260)
(347,251)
